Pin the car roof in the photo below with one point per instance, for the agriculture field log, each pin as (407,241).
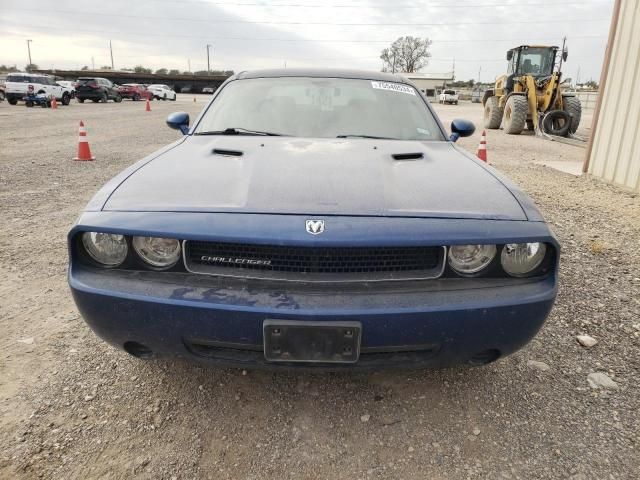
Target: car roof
(27,73)
(322,73)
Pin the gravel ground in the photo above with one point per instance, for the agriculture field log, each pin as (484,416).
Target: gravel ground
(73,407)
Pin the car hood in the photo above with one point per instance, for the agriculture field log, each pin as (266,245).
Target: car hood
(285,175)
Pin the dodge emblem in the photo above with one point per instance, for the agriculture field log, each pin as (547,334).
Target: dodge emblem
(315,227)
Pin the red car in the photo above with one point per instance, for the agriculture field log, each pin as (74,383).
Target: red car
(134,91)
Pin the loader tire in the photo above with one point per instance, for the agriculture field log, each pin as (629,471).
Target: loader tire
(492,113)
(515,114)
(556,122)
(573,107)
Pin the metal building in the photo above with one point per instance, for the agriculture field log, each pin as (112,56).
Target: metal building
(613,152)
(429,83)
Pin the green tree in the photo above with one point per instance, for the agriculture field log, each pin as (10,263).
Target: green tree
(406,54)
(174,71)
(141,69)
(84,68)
(162,71)
(31,67)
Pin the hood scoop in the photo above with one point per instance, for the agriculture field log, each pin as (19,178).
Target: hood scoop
(408,156)
(227,153)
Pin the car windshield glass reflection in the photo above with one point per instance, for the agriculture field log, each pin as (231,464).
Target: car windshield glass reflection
(322,108)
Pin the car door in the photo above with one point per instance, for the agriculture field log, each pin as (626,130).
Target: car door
(109,87)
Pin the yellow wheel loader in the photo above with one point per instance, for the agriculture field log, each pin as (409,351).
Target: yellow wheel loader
(531,95)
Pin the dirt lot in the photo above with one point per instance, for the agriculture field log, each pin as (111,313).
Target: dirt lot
(73,407)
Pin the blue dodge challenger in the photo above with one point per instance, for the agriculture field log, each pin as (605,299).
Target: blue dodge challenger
(318,219)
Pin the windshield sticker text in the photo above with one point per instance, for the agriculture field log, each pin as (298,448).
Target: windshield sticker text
(394,87)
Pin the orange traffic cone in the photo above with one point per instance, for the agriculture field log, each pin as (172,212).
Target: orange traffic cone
(54,102)
(84,152)
(148,107)
(482,148)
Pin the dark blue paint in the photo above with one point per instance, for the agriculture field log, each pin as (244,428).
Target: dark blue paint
(160,314)
(179,121)
(366,199)
(461,128)
(503,318)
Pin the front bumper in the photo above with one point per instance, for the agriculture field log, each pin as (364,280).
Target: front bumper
(435,323)
(424,323)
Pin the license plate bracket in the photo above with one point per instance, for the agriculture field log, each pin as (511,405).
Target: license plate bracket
(311,342)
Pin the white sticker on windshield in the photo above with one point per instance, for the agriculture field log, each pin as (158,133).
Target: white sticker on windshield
(394,87)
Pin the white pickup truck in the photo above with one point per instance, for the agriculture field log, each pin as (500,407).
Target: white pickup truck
(20,84)
(449,96)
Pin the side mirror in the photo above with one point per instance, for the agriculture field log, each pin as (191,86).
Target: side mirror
(461,128)
(179,121)
(565,54)
(509,54)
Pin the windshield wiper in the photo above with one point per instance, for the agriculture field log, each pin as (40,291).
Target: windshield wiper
(238,131)
(366,136)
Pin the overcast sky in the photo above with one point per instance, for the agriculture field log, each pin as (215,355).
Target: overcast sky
(251,34)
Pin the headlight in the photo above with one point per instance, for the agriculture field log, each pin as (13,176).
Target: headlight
(156,251)
(470,259)
(520,259)
(105,248)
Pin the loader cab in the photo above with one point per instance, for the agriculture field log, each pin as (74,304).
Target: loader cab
(531,60)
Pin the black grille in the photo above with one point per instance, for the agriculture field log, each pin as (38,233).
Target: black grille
(313,263)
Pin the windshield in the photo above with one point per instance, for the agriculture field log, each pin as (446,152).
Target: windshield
(322,108)
(537,61)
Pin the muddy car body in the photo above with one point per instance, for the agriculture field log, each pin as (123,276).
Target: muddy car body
(313,218)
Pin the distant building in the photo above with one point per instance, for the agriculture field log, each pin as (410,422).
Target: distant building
(430,83)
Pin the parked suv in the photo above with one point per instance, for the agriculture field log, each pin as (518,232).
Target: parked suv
(18,85)
(135,91)
(97,90)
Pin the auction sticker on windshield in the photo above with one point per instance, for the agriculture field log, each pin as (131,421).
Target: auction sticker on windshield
(395,87)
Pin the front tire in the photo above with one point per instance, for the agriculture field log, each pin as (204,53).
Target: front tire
(165,97)
(515,114)
(66,99)
(118,99)
(492,113)
(104,98)
(573,107)
(12,101)
(136,98)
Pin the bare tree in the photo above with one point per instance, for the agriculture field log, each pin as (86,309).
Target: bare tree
(406,54)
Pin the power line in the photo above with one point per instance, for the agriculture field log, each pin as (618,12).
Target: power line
(306,23)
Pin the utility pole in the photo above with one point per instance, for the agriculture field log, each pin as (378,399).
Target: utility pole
(208,64)
(29,50)
(111,50)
